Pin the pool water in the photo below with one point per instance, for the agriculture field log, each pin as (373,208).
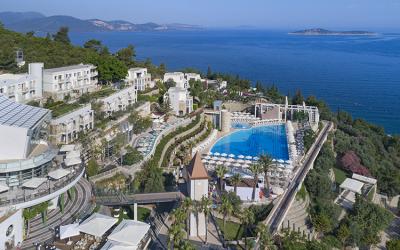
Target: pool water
(254,142)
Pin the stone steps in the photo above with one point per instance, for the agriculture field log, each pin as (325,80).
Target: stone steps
(298,215)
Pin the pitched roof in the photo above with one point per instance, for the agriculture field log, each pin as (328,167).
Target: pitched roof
(196,169)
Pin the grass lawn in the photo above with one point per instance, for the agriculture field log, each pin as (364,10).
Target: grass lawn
(63,108)
(106,91)
(340,175)
(234,230)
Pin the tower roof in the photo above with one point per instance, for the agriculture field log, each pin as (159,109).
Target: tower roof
(196,169)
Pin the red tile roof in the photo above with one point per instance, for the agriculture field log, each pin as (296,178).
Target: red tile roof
(196,169)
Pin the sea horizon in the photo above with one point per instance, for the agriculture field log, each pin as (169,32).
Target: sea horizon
(358,74)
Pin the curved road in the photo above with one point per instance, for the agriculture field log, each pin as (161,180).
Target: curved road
(41,232)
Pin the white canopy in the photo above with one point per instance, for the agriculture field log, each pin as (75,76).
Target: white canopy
(69,230)
(67,148)
(73,154)
(58,173)
(33,183)
(72,162)
(3,188)
(97,224)
(113,245)
(129,232)
(352,185)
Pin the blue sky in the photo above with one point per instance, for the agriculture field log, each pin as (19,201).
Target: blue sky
(273,14)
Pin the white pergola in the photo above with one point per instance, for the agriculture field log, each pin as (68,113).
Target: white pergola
(352,185)
(34,182)
(58,173)
(129,232)
(113,245)
(3,188)
(67,148)
(97,224)
(69,230)
(72,162)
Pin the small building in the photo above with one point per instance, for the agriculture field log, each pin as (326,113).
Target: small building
(180,100)
(197,180)
(25,87)
(178,78)
(120,100)
(192,77)
(72,81)
(140,78)
(65,129)
(357,185)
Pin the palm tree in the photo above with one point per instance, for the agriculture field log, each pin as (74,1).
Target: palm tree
(247,218)
(205,204)
(175,235)
(266,163)
(226,208)
(187,206)
(221,170)
(265,239)
(178,215)
(235,180)
(256,169)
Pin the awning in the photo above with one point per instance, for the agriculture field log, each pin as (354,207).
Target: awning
(113,245)
(3,188)
(129,232)
(58,174)
(73,154)
(352,185)
(35,182)
(72,162)
(68,231)
(67,148)
(97,224)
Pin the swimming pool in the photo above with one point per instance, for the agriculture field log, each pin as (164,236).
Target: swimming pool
(255,141)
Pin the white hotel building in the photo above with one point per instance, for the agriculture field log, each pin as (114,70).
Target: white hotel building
(120,100)
(29,171)
(65,129)
(25,87)
(140,78)
(180,100)
(72,80)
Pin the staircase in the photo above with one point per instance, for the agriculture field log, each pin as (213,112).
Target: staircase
(298,215)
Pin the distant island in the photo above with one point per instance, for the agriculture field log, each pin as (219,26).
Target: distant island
(324,32)
(37,22)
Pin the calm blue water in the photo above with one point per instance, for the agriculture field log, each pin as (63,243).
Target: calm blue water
(357,74)
(254,142)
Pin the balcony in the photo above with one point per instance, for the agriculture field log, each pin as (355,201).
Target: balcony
(22,197)
(33,161)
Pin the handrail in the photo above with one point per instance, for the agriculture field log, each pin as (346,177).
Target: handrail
(57,186)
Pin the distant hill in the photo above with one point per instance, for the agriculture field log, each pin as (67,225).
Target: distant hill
(33,21)
(324,32)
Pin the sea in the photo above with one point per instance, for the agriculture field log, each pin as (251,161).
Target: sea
(358,74)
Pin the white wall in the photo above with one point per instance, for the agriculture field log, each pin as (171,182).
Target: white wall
(17,223)
(13,142)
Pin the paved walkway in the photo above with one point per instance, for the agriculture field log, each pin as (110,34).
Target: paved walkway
(79,206)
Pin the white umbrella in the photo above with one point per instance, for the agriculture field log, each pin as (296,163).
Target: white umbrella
(204,160)
(231,155)
(211,162)
(230,160)
(241,156)
(245,165)
(281,161)
(219,163)
(249,157)
(288,162)
(240,161)
(207,157)
(224,154)
(237,164)
(248,162)
(217,154)
(211,153)
(256,158)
